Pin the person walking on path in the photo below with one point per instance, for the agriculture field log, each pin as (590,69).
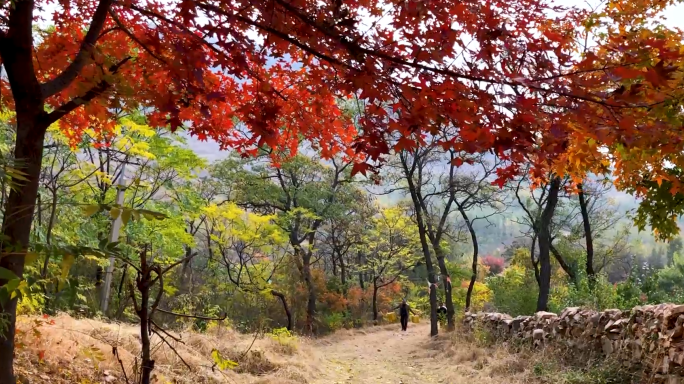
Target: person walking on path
(404,310)
(442,314)
(442,310)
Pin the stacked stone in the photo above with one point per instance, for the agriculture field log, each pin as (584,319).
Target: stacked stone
(651,335)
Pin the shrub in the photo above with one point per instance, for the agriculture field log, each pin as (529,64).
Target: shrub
(603,294)
(515,291)
(481,295)
(334,321)
(391,317)
(286,341)
(495,264)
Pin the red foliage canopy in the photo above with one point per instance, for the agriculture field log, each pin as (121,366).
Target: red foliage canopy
(504,72)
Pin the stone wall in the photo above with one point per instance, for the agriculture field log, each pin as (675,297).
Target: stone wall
(650,336)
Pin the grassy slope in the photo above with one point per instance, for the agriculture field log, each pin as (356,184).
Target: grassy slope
(80,351)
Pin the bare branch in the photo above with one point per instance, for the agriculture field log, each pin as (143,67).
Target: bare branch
(193,316)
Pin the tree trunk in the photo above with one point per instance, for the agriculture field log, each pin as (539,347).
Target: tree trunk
(535,262)
(48,237)
(545,245)
(19,215)
(184,273)
(333,259)
(587,234)
(434,324)
(343,274)
(439,252)
(147,362)
(375,301)
(286,308)
(473,266)
(559,258)
(359,257)
(51,220)
(311,300)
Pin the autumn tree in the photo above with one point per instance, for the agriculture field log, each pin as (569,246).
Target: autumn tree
(304,193)
(392,248)
(410,170)
(584,234)
(341,235)
(191,197)
(250,247)
(533,202)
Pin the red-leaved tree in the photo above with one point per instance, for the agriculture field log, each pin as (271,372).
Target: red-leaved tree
(496,264)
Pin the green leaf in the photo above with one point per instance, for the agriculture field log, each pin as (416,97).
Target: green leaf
(91,210)
(115,212)
(102,244)
(222,363)
(151,215)
(67,261)
(126,215)
(12,285)
(6,274)
(17,287)
(31,257)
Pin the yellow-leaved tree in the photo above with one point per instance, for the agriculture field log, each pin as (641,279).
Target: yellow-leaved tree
(392,248)
(250,247)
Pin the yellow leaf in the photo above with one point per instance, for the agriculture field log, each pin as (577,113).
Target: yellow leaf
(115,212)
(65,266)
(31,257)
(126,215)
(91,210)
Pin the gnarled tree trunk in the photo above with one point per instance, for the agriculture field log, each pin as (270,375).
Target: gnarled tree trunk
(305,269)
(473,265)
(449,299)
(375,299)
(286,308)
(545,245)
(20,205)
(587,234)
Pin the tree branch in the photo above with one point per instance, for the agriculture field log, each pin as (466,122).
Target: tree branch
(193,316)
(97,90)
(69,74)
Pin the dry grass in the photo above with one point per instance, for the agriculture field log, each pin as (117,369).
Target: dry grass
(81,351)
(490,361)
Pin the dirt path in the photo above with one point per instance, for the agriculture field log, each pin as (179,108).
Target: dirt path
(384,356)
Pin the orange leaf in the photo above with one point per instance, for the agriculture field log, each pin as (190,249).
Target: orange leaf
(627,123)
(627,73)
(653,77)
